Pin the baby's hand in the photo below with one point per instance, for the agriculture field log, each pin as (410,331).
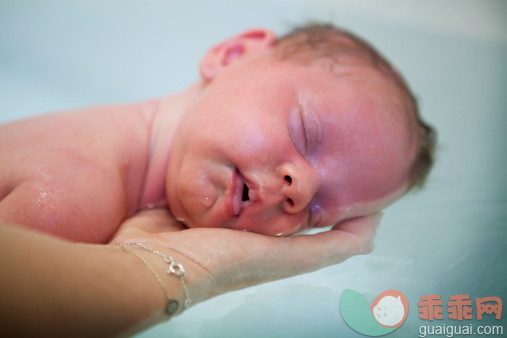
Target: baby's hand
(220,260)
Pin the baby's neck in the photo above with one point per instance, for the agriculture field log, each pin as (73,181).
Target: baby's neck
(164,123)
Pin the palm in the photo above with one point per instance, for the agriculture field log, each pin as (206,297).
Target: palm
(237,259)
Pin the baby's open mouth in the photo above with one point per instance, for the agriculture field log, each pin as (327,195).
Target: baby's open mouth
(241,196)
(244,196)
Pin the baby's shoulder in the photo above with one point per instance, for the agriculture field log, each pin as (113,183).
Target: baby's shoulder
(91,139)
(67,165)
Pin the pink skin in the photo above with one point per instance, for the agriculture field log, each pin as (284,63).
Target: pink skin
(314,147)
(75,174)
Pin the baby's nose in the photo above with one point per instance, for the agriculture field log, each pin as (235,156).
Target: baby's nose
(298,188)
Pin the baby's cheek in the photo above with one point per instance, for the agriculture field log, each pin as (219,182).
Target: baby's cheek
(260,150)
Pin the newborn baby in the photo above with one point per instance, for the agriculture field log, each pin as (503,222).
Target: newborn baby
(281,135)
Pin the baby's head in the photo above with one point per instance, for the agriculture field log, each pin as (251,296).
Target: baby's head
(308,130)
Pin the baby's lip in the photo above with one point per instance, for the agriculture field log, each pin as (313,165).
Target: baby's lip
(239,186)
(235,193)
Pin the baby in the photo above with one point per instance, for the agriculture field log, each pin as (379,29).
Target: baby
(280,135)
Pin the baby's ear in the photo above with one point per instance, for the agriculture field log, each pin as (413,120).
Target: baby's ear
(232,49)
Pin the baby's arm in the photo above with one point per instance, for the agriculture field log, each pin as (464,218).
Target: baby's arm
(59,202)
(65,174)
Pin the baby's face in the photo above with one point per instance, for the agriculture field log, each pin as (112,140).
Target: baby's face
(276,147)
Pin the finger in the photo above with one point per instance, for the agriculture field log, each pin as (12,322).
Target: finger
(349,238)
(248,258)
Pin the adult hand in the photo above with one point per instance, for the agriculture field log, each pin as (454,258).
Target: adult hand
(219,260)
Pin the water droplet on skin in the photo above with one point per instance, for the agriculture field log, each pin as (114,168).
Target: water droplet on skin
(207,201)
(279,234)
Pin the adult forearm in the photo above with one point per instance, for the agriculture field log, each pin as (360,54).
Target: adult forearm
(53,287)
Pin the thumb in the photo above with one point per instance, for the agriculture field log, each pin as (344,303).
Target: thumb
(146,222)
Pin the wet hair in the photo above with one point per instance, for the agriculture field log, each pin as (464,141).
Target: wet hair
(318,41)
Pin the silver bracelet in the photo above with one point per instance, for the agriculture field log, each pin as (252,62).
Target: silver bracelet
(173,269)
